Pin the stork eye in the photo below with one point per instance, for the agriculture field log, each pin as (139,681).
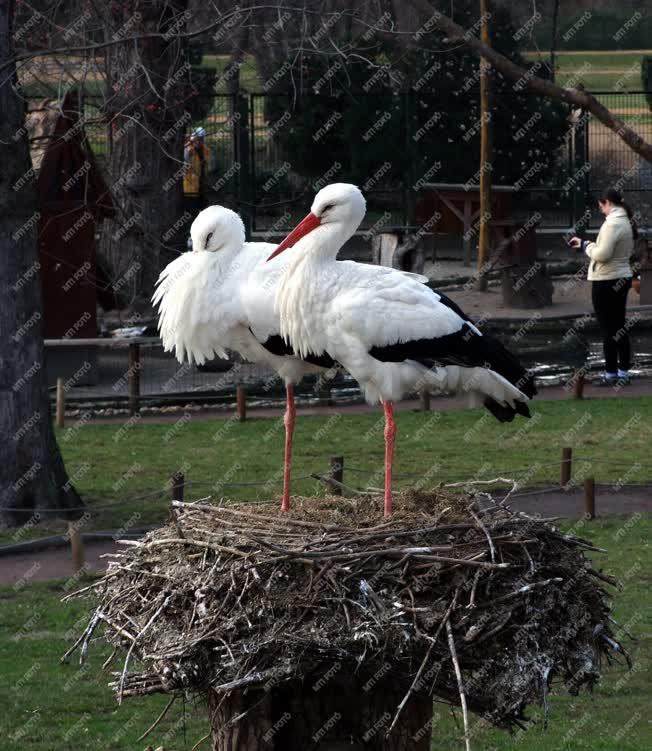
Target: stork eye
(328,207)
(208,239)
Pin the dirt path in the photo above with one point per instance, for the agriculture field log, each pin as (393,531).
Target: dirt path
(56,563)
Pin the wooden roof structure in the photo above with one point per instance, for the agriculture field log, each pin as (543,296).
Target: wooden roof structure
(72,199)
(67,171)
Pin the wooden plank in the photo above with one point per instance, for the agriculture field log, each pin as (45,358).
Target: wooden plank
(589,498)
(566,466)
(133,376)
(61,403)
(106,341)
(241,403)
(337,474)
(76,547)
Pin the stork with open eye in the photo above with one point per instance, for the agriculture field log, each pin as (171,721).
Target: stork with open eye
(393,334)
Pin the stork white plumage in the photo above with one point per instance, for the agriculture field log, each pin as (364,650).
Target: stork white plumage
(219,297)
(390,332)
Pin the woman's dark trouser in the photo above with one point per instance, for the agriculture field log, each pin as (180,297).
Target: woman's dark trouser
(609,302)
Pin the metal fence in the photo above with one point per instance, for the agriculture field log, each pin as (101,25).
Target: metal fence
(255,165)
(264,164)
(612,162)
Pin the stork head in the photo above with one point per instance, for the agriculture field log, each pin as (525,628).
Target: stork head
(339,206)
(217,229)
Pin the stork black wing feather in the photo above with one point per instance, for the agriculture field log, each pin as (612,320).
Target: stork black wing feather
(468,349)
(278,346)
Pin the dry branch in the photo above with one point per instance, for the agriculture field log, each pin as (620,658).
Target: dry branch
(539,86)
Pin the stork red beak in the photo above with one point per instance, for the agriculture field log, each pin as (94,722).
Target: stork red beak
(306,225)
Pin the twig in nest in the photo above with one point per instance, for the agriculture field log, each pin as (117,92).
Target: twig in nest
(133,644)
(476,578)
(198,544)
(77,643)
(176,517)
(118,629)
(417,677)
(88,633)
(520,591)
(158,719)
(332,483)
(460,684)
(109,659)
(492,549)
(200,741)
(85,589)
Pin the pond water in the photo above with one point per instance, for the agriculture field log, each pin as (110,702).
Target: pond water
(550,353)
(552,357)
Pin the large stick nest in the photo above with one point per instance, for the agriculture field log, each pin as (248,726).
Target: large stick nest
(234,597)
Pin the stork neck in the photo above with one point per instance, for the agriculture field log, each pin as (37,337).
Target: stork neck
(222,262)
(324,242)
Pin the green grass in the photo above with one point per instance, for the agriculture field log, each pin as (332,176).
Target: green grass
(599,71)
(249,78)
(48,705)
(122,470)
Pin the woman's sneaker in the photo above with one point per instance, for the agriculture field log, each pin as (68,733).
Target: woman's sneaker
(607,379)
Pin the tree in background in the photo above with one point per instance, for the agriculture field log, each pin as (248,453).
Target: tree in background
(419,103)
(148,90)
(32,476)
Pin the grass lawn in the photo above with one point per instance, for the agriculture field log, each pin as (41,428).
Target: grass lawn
(598,71)
(47,705)
(122,470)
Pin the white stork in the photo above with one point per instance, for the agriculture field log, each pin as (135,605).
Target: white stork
(390,332)
(207,304)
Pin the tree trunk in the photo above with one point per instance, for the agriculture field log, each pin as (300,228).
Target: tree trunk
(486,155)
(149,89)
(344,714)
(554,33)
(32,475)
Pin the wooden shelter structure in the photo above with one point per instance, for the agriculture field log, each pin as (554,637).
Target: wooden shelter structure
(72,200)
(457,206)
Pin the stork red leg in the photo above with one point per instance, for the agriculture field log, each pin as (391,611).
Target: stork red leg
(390,435)
(290,413)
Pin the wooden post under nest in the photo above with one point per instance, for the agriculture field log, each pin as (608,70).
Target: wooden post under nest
(61,403)
(329,713)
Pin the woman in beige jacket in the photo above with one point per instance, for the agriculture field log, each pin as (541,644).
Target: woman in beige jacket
(611,278)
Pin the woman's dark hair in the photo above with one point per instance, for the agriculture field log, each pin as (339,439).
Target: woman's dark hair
(616,197)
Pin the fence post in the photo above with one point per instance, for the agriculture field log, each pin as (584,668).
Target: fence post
(578,386)
(241,403)
(76,547)
(424,400)
(133,374)
(589,498)
(61,403)
(566,466)
(337,474)
(178,483)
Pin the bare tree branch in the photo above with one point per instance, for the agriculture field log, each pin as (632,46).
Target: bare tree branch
(539,86)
